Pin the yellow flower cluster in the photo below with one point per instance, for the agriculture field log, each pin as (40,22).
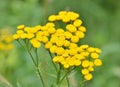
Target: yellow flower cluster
(5,40)
(63,42)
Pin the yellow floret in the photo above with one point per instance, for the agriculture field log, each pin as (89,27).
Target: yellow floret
(71,28)
(59,42)
(90,49)
(73,46)
(16,36)
(23,36)
(65,19)
(66,43)
(35,43)
(51,30)
(20,27)
(48,45)
(59,30)
(60,50)
(88,76)
(94,55)
(62,13)
(74,39)
(80,34)
(66,65)
(85,71)
(53,49)
(79,57)
(97,62)
(77,23)
(29,36)
(77,62)
(49,24)
(82,29)
(90,69)
(85,63)
(52,18)
(97,50)
(68,35)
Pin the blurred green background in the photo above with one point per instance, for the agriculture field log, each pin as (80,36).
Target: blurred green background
(102,20)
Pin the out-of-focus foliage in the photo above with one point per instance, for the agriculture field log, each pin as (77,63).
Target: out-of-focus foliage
(101,17)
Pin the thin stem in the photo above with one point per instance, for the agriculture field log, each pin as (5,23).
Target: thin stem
(68,81)
(36,56)
(53,62)
(58,76)
(66,74)
(30,54)
(37,66)
(39,73)
(36,63)
(20,43)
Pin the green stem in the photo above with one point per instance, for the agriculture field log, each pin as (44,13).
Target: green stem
(36,56)
(66,75)
(68,81)
(58,77)
(39,73)
(53,62)
(36,63)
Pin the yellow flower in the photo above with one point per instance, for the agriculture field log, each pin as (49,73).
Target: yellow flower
(90,69)
(94,55)
(85,63)
(59,30)
(90,49)
(35,43)
(86,54)
(59,42)
(52,18)
(62,13)
(66,65)
(66,43)
(77,62)
(73,51)
(29,36)
(84,47)
(79,57)
(82,29)
(88,76)
(51,30)
(73,46)
(74,39)
(48,45)
(71,28)
(97,62)
(53,49)
(16,36)
(91,64)
(50,24)
(68,35)
(60,50)
(77,23)
(97,50)
(72,15)
(44,39)
(65,19)
(85,71)
(23,36)
(20,27)
(20,32)
(80,34)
